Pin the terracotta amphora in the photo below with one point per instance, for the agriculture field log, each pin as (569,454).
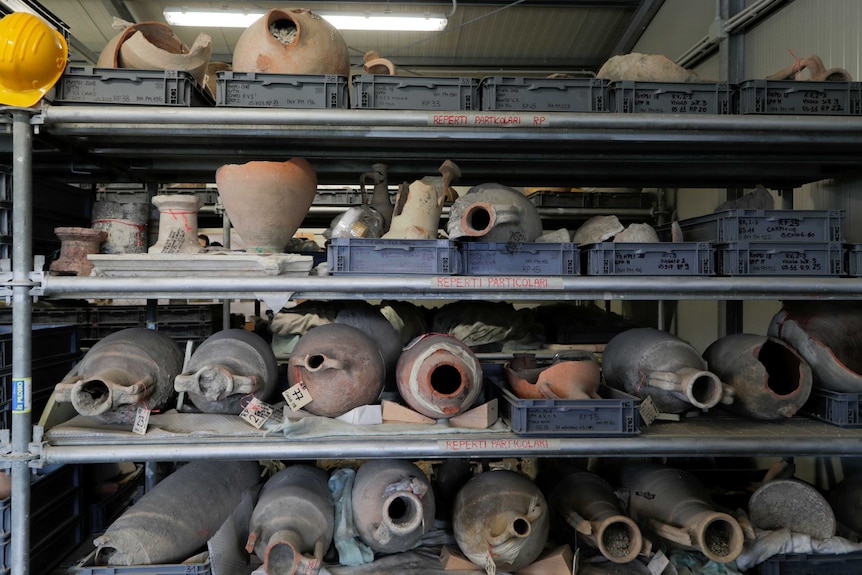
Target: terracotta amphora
(677,507)
(587,504)
(494,213)
(267,201)
(439,376)
(154,46)
(340,366)
(292,524)
(75,245)
(769,379)
(227,370)
(291,41)
(130,368)
(393,505)
(647,362)
(559,380)
(501,517)
(177,516)
(828,335)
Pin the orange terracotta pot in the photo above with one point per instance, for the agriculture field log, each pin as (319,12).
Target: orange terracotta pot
(563,380)
(316,47)
(267,201)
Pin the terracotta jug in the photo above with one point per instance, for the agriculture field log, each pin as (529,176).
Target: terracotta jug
(130,368)
(227,370)
(292,524)
(75,244)
(393,505)
(378,176)
(587,503)
(291,41)
(416,215)
(178,224)
(267,201)
(501,516)
(341,367)
(648,362)
(769,379)
(177,516)
(438,376)
(677,507)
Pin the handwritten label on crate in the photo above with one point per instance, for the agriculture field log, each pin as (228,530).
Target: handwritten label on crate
(142,420)
(256,412)
(297,396)
(527,445)
(497,282)
(491,120)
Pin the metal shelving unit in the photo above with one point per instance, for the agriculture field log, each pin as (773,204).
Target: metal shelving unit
(90,143)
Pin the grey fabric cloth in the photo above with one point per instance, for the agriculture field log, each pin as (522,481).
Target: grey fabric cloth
(351,551)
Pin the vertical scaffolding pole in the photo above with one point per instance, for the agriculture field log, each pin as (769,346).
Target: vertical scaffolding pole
(22,310)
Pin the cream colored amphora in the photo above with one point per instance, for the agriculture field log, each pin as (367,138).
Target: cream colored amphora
(267,201)
(178,224)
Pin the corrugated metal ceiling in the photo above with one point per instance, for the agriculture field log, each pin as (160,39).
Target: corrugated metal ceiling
(540,36)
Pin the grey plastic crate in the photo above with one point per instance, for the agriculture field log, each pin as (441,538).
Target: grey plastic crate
(629,96)
(529,258)
(254,90)
(88,85)
(86,567)
(764,225)
(614,415)
(545,94)
(414,93)
(841,409)
(662,259)
(800,97)
(780,258)
(392,257)
(853,260)
(800,564)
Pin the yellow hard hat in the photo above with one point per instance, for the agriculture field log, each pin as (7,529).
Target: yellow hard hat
(32,58)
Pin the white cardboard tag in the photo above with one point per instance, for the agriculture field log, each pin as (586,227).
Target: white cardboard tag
(256,412)
(658,563)
(142,419)
(489,565)
(297,396)
(648,410)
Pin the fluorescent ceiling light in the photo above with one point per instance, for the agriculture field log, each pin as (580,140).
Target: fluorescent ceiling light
(228,18)
(211,18)
(386,21)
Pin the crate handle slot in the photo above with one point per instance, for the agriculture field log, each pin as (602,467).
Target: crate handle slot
(402,247)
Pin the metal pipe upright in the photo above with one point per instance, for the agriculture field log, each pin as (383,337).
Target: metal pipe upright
(22,263)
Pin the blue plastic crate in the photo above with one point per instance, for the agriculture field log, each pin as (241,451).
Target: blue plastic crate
(853,260)
(780,258)
(800,564)
(615,415)
(764,225)
(392,257)
(659,259)
(531,258)
(841,409)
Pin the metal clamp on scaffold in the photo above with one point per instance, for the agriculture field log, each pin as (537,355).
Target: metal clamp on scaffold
(34,282)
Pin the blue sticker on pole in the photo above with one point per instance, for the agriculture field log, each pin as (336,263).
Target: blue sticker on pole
(22,395)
